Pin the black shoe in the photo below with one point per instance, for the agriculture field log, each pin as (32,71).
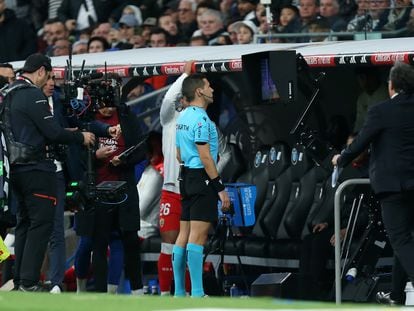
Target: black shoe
(34,288)
(385,299)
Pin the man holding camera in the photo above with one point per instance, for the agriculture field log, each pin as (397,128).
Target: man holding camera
(32,171)
(200,184)
(122,218)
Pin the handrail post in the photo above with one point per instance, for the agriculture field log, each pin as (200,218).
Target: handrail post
(337,229)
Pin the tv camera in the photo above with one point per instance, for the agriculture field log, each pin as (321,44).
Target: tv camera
(83,95)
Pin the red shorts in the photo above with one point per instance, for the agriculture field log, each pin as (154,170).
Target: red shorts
(170,211)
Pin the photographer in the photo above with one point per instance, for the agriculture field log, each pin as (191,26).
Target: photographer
(33,177)
(109,217)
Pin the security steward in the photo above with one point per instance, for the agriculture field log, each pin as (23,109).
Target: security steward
(200,184)
(29,127)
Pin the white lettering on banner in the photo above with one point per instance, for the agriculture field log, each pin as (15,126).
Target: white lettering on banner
(203,68)
(213,69)
(235,65)
(172,70)
(353,60)
(223,67)
(364,59)
(342,60)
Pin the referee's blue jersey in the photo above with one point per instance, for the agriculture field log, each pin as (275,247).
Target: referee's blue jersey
(193,126)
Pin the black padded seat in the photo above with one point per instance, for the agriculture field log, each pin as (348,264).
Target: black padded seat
(298,208)
(285,248)
(256,247)
(279,160)
(235,167)
(284,184)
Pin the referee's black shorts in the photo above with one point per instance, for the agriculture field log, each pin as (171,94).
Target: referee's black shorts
(199,199)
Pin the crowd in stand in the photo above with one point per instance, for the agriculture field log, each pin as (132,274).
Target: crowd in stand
(55,27)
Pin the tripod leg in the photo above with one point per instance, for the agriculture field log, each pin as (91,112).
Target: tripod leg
(231,236)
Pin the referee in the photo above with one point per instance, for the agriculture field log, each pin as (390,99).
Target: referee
(200,184)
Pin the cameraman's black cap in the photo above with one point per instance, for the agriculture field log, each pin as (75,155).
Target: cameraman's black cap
(35,61)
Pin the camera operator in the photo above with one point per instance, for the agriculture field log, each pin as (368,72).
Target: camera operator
(33,177)
(200,187)
(123,217)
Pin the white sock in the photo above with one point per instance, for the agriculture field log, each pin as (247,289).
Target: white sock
(137,292)
(165,293)
(81,285)
(112,288)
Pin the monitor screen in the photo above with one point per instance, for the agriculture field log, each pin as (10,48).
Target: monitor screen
(268,86)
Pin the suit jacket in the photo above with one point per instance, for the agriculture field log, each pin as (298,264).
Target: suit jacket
(389,129)
(69,9)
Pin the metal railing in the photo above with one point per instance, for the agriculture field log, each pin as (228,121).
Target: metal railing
(337,229)
(331,35)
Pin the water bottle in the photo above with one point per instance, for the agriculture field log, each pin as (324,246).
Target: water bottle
(351,274)
(234,291)
(154,290)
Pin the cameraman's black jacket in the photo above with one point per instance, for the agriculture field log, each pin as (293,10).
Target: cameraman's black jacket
(33,125)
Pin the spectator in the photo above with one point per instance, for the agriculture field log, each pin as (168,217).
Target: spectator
(61,47)
(289,21)
(137,41)
(198,41)
(187,23)
(319,24)
(373,91)
(224,39)
(158,38)
(201,8)
(378,10)
(6,71)
(97,45)
(167,23)
(361,17)
(330,10)
(211,26)
(134,11)
(231,30)
(148,7)
(247,10)
(147,26)
(18,39)
(397,17)
(127,25)
(245,31)
(55,31)
(308,10)
(80,47)
(102,30)
(85,14)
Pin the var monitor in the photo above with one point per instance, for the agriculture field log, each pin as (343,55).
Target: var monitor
(272,75)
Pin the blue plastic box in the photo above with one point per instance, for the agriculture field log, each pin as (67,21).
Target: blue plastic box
(243,197)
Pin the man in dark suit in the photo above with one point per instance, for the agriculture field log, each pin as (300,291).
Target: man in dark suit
(389,130)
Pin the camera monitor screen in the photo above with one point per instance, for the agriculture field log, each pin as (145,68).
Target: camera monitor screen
(272,76)
(269,89)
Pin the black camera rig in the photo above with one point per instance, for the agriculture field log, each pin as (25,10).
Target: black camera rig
(84,95)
